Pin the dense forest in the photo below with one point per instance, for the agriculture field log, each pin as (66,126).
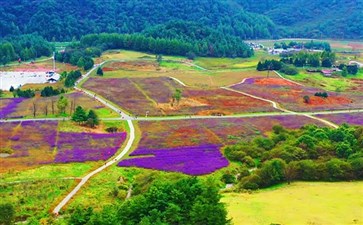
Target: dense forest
(309,154)
(246,19)
(65,19)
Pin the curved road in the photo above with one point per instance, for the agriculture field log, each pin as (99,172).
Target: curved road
(124,116)
(109,163)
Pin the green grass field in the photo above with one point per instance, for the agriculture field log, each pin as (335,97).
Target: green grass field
(300,203)
(236,63)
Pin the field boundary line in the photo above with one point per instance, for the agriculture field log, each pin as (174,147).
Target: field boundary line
(291,81)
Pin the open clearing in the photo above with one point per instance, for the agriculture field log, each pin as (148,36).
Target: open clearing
(300,203)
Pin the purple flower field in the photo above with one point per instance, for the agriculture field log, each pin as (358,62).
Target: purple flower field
(349,118)
(196,160)
(9,106)
(35,143)
(80,147)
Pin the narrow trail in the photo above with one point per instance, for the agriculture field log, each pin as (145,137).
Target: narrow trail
(277,105)
(291,81)
(128,146)
(179,81)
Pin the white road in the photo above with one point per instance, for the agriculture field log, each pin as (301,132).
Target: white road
(127,148)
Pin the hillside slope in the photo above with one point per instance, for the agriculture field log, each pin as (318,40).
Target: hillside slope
(312,18)
(65,19)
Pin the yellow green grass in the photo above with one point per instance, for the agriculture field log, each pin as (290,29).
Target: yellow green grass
(319,81)
(236,63)
(36,198)
(299,203)
(49,172)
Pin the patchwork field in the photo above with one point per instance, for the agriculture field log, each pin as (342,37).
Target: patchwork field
(301,203)
(47,106)
(154,97)
(291,95)
(29,144)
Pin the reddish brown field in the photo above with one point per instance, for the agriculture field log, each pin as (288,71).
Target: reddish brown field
(139,95)
(194,132)
(291,96)
(131,65)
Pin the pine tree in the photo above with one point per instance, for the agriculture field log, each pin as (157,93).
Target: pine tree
(92,119)
(79,115)
(99,71)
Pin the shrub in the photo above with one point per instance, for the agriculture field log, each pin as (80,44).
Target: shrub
(289,70)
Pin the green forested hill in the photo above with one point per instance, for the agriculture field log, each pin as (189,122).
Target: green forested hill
(312,18)
(62,20)
(65,19)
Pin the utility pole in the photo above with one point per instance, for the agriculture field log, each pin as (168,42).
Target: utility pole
(53,61)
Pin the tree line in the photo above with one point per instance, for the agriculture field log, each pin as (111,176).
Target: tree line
(213,46)
(24,47)
(310,154)
(313,45)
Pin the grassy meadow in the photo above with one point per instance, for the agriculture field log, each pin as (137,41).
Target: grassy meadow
(301,203)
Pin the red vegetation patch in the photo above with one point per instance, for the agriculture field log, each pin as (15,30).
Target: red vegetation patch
(273,81)
(333,100)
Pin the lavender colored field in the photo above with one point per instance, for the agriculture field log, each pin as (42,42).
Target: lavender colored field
(122,92)
(32,143)
(139,95)
(195,132)
(8,106)
(81,147)
(291,95)
(197,160)
(160,89)
(349,118)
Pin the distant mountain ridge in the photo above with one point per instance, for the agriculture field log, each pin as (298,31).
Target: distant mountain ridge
(342,19)
(62,20)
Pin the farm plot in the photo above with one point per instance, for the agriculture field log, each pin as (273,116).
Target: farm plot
(154,96)
(195,132)
(349,118)
(292,96)
(47,106)
(196,160)
(29,144)
(193,146)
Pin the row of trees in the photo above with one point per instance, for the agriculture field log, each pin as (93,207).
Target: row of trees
(269,65)
(213,45)
(315,45)
(303,58)
(25,47)
(310,153)
(50,91)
